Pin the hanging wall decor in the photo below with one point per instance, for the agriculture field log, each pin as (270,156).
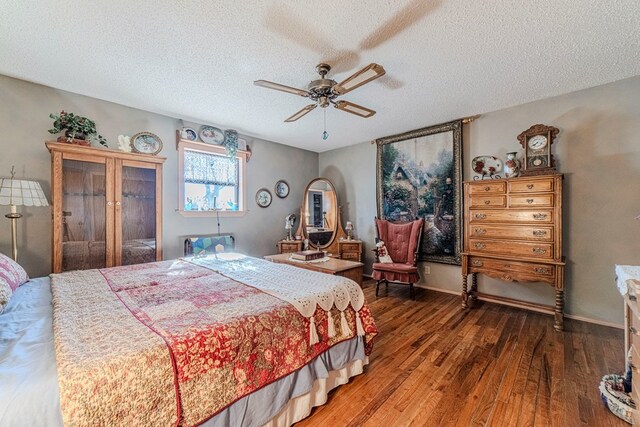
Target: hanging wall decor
(419,175)
(231,142)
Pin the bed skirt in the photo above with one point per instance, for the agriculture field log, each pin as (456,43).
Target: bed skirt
(300,407)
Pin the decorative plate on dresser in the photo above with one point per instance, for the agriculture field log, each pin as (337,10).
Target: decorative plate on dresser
(513,232)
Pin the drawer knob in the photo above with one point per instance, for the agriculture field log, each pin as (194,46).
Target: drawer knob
(480,216)
(480,245)
(507,277)
(529,201)
(480,231)
(539,216)
(476,263)
(529,186)
(486,202)
(539,251)
(539,233)
(487,188)
(542,270)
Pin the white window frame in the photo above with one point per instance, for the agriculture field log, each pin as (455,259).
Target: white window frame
(211,149)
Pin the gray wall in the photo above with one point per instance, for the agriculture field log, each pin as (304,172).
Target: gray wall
(24,111)
(598,150)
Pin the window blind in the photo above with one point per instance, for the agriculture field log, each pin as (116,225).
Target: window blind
(205,168)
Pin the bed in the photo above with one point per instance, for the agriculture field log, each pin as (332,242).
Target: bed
(198,341)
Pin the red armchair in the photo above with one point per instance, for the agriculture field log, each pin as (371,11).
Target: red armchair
(403,243)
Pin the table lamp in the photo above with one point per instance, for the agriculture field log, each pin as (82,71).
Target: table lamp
(19,192)
(349,229)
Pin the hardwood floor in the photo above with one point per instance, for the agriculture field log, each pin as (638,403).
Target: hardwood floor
(436,364)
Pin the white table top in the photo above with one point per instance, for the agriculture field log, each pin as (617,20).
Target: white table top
(625,273)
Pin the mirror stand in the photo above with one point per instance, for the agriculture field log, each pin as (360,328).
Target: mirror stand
(334,246)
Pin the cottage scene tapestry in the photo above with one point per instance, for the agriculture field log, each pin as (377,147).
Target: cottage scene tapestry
(419,175)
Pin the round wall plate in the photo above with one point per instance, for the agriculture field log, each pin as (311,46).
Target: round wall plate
(263,197)
(281,189)
(146,143)
(211,135)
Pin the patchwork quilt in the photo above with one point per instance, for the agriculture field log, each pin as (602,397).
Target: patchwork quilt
(175,342)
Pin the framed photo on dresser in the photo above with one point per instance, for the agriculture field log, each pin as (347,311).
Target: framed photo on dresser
(419,175)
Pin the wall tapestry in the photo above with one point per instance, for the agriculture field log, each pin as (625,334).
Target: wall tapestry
(419,175)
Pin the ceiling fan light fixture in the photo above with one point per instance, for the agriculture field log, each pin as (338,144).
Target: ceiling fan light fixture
(364,76)
(356,109)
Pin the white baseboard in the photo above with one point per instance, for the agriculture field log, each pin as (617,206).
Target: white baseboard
(568,316)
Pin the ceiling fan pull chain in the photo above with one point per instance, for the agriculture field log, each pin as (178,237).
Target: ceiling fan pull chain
(325,135)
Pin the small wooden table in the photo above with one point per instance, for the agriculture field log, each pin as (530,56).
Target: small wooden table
(339,267)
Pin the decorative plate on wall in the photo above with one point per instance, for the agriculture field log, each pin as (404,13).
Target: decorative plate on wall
(282,189)
(211,135)
(190,134)
(263,197)
(487,166)
(146,143)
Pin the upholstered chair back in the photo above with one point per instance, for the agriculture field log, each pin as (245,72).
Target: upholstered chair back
(401,240)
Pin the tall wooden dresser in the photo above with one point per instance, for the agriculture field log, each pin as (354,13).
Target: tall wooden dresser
(513,232)
(107,207)
(632,338)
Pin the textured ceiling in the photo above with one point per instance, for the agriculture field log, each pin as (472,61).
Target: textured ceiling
(197,59)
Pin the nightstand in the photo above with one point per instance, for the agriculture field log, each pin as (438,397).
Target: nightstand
(350,250)
(288,246)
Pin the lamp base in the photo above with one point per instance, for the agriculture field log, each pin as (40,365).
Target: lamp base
(13,216)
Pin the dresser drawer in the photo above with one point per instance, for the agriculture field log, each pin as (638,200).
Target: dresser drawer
(488,201)
(543,216)
(488,187)
(531,200)
(521,271)
(286,248)
(353,256)
(499,231)
(524,249)
(350,247)
(531,186)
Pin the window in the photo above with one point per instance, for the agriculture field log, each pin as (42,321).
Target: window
(210,181)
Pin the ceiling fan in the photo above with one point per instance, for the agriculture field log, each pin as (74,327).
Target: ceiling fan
(324,91)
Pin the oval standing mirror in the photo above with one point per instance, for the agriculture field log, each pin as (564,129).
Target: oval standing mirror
(320,213)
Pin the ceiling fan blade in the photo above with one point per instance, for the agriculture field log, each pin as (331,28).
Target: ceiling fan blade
(364,76)
(301,113)
(356,109)
(409,15)
(283,88)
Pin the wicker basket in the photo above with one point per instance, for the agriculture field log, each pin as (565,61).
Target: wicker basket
(615,398)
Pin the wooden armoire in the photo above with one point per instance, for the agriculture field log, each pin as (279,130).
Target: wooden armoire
(107,207)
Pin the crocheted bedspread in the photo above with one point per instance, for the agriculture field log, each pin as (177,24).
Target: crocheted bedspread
(175,342)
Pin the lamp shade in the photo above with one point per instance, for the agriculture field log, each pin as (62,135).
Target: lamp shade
(21,192)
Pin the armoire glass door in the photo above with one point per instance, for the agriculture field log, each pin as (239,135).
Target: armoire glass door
(84,223)
(137,215)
